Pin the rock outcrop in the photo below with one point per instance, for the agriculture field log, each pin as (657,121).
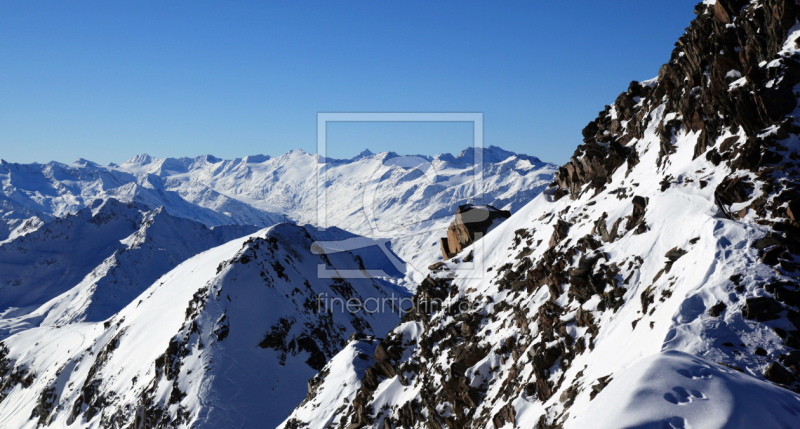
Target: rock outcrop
(471,223)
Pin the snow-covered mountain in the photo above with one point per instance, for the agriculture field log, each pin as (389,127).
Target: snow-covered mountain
(227,339)
(55,189)
(89,265)
(654,285)
(406,199)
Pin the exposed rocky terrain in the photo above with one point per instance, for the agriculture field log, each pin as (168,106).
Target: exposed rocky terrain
(654,284)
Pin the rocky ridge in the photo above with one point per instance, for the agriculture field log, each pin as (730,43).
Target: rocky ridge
(672,232)
(254,321)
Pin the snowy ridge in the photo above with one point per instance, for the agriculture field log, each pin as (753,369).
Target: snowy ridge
(233,323)
(655,284)
(88,266)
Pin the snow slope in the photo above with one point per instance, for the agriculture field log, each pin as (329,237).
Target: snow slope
(677,388)
(654,285)
(226,339)
(88,266)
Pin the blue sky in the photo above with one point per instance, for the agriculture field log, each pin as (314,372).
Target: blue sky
(108,80)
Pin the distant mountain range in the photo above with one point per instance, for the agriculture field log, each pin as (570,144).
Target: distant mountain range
(405,199)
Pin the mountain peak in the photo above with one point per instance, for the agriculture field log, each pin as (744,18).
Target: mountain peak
(366,153)
(82,162)
(256,159)
(492,154)
(211,159)
(140,159)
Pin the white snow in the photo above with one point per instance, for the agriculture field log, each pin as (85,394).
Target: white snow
(677,390)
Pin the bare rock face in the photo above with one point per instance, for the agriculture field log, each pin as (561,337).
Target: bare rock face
(470,224)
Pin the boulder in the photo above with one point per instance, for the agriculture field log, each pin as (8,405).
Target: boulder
(762,309)
(717,309)
(471,223)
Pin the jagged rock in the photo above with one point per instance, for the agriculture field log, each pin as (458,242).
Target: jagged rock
(505,415)
(601,229)
(724,9)
(673,255)
(471,223)
(793,211)
(734,190)
(445,249)
(560,232)
(601,384)
(637,217)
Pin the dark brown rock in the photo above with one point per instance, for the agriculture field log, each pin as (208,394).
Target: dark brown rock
(762,309)
(717,309)
(637,217)
(560,232)
(471,223)
(793,211)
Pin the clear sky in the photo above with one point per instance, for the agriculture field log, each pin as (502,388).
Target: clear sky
(108,80)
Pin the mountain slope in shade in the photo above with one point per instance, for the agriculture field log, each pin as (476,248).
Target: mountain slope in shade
(13,228)
(88,266)
(226,339)
(654,285)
